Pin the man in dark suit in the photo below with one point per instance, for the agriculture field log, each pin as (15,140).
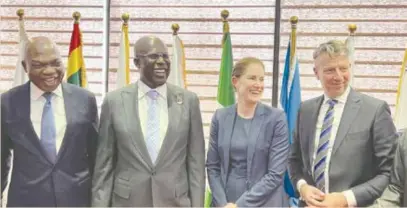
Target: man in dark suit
(151,150)
(52,129)
(344,141)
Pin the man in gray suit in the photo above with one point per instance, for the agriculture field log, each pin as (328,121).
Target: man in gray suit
(151,148)
(344,141)
(395,195)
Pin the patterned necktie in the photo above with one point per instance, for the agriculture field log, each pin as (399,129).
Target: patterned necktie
(153,125)
(323,144)
(48,131)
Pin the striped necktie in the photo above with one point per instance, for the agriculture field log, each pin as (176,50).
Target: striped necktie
(323,144)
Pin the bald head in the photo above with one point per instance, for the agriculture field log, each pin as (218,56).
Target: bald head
(41,47)
(43,63)
(152,60)
(149,44)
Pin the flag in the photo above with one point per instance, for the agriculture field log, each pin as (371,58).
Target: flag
(400,118)
(226,94)
(178,71)
(290,100)
(123,73)
(76,73)
(20,76)
(350,44)
(208,197)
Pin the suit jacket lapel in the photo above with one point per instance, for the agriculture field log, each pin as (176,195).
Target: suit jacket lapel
(350,112)
(71,110)
(255,128)
(175,102)
(227,137)
(312,117)
(132,121)
(23,103)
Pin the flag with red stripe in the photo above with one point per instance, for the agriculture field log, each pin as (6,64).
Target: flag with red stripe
(76,73)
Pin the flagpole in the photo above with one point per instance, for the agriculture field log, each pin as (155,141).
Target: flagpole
(20,14)
(106,43)
(352,28)
(178,68)
(276,58)
(20,76)
(350,44)
(76,16)
(125,18)
(225,14)
(175,29)
(293,39)
(126,44)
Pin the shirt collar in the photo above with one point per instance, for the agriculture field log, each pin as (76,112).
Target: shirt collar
(341,99)
(143,90)
(36,92)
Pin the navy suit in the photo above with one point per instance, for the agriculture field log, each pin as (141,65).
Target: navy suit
(267,153)
(35,180)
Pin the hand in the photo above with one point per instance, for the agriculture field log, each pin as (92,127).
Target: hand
(312,196)
(230,205)
(335,200)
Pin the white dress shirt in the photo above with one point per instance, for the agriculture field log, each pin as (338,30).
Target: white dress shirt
(143,101)
(338,112)
(58,107)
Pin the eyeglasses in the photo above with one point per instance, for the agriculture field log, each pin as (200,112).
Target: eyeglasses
(155,55)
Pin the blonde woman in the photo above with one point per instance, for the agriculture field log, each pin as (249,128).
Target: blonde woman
(248,149)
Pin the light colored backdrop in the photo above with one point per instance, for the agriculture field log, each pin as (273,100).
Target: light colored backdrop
(380,41)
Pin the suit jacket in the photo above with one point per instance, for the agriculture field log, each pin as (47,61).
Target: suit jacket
(267,155)
(363,150)
(35,180)
(395,195)
(124,172)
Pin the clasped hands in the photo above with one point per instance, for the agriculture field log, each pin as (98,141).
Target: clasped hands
(313,197)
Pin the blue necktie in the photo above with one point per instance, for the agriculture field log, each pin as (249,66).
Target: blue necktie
(48,131)
(323,144)
(153,125)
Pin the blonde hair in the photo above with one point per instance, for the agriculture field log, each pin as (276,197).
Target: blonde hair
(241,66)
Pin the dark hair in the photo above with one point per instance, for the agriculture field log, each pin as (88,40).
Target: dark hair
(241,66)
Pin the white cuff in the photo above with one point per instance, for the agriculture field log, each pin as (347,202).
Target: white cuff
(300,183)
(350,198)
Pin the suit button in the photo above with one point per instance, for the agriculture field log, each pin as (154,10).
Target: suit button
(153,173)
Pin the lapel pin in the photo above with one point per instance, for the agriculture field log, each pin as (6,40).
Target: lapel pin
(179,99)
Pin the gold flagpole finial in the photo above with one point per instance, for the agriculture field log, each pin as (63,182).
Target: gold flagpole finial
(352,28)
(125,18)
(293,39)
(175,29)
(76,16)
(20,14)
(225,14)
(294,21)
